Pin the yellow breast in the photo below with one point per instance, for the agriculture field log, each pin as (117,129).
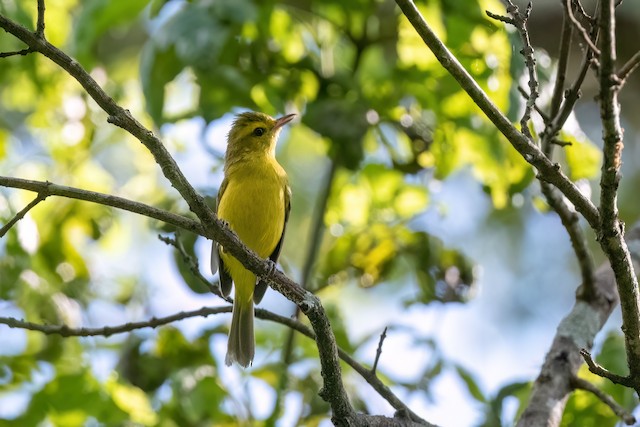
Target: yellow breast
(254,204)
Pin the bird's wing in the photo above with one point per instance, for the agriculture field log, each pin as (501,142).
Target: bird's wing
(216,259)
(261,286)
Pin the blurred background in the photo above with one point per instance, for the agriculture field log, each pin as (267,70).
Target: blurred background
(410,212)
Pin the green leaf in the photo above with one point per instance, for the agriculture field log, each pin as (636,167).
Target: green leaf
(70,400)
(188,241)
(583,157)
(98,17)
(472,386)
(344,124)
(158,66)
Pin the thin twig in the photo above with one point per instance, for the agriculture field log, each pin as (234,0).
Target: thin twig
(40,22)
(317,231)
(106,331)
(22,52)
(604,373)
(501,18)
(519,20)
(379,351)
(192,263)
(571,223)
(558,88)
(561,143)
(543,115)
(583,13)
(40,197)
(567,214)
(571,96)
(628,68)
(583,32)
(624,415)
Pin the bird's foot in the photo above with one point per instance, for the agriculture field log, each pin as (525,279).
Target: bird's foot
(271,268)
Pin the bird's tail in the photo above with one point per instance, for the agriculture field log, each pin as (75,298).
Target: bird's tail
(241,345)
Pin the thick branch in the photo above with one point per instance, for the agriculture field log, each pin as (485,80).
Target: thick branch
(611,235)
(575,333)
(547,170)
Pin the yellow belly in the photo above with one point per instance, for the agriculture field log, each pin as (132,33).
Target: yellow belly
(253,205)
(255,211)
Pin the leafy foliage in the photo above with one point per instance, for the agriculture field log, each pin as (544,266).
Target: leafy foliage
(374,103)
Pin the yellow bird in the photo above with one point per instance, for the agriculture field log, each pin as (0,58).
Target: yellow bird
(254,199)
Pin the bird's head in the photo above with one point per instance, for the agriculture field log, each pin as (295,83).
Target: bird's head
(255,133)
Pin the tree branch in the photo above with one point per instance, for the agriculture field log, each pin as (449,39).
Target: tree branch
(576,332)
(46,189)
(586,37)
(525,94)
(563,63)
(571,97)
(519,21)
(106,331)
(315,239)
(559,113)
(571,223)
(40,22)
(567,215)
(408,417)
(603,372)
(625,416)
(383,335)
(611,230)
(547,170)
(40,197)
(193,265)
(628,68)
(333,390)
(22,52)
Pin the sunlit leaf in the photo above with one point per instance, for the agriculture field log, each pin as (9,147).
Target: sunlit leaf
(472,386)
(583,157)
(134,402)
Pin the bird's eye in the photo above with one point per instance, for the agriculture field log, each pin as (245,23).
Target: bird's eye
(258,131)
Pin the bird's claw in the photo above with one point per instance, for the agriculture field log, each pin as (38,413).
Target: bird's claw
(271,268)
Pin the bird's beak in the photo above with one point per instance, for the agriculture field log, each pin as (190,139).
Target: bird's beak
(283,121)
